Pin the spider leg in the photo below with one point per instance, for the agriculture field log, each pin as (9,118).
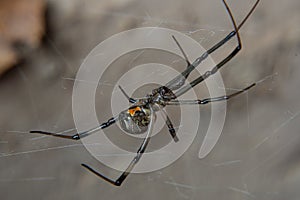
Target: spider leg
(135,160)
(179,79)
(220,64)
(209,100)
(169,125)
(131,100)
(77,136)
(182,51)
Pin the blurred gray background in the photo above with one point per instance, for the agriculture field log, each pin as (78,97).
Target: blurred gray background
(257,156)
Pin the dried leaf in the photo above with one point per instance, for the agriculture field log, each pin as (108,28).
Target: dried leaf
(21,21)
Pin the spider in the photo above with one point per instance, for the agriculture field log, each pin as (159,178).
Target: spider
(139,118)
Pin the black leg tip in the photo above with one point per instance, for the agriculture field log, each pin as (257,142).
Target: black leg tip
(40,132)
(118,183)
(250,86)
(76,137)
(34,131)
(115,183)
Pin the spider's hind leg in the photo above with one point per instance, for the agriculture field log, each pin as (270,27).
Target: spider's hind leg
(135,160)
(170,126)
(77,136)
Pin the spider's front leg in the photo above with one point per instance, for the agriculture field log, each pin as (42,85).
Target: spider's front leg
(83,134)
(179,80)
(209,100)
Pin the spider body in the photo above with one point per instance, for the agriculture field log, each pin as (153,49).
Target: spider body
(140,117)
(135,119)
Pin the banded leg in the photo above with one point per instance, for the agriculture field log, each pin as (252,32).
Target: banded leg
(169,125)
(77,136)
(220,64)
(208,100)
(135,160)
(179,80)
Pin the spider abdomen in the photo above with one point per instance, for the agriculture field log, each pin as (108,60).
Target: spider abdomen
(135,120)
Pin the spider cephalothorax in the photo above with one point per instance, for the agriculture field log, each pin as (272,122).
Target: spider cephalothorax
(162,94)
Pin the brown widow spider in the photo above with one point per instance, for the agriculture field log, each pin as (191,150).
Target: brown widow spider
(140,117)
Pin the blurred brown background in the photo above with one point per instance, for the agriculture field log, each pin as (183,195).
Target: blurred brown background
(257,156)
